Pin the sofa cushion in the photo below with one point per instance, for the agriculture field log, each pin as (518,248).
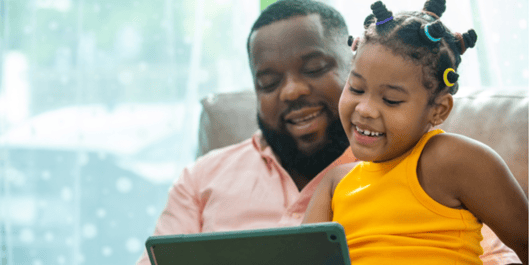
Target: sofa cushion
(226,118)
(496,117)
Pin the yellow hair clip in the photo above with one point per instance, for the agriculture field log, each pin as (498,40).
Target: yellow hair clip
(447,83)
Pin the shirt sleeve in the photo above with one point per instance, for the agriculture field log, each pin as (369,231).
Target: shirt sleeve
(495,252)
(182,214)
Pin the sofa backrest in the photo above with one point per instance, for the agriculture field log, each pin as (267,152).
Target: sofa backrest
(496,117)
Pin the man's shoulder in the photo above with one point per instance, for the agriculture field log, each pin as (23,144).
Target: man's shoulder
(226,161)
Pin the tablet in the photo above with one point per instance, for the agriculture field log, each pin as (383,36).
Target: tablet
(318,244)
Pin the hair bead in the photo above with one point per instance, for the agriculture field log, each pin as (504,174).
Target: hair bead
(432,33)
(450,77)
(350,40)
(382,22)
(426,30)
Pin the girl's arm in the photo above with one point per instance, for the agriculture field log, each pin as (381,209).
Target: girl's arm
(478,177)
(319,208)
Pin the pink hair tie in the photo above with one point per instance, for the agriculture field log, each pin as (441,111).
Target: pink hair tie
(460,39)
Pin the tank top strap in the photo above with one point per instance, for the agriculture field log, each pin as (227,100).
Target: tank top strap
(416,152)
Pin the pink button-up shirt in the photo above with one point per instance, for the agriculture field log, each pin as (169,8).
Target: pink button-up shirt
(243,186)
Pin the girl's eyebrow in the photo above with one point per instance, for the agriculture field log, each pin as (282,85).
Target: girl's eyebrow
(357,75)
(398,88)
(394,87)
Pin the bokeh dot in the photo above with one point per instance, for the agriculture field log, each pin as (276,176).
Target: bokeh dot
(90,231)
(123,185)
(133,245)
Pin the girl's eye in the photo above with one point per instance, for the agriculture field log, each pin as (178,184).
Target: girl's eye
(392,102)
(356,91)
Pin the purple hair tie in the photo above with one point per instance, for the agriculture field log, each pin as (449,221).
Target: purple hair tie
(384,21)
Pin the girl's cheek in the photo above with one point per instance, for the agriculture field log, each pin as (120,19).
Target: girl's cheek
(344,105)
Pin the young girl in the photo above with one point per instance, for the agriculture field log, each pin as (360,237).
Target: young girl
(420,195)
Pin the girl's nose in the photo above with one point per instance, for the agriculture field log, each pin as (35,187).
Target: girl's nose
(366,108)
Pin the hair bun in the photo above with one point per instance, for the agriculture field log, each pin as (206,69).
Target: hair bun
(380,11)
(453,90)
(470,38)
(435,6)
(368,21)
(452,77)
(466,40)
(431,33)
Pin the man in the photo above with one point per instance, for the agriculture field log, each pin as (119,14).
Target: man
(299,59)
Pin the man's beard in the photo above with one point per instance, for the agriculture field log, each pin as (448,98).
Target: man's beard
(309,165)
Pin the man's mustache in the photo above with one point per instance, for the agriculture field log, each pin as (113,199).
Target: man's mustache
(300,104)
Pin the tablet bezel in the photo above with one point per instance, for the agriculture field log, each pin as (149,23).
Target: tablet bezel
(334,231)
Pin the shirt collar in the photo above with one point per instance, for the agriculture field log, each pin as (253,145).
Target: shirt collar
(263,148)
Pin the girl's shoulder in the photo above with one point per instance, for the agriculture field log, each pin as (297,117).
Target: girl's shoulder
(448,148)
(453,165)
(451,161)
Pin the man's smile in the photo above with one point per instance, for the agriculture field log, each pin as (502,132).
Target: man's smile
(305,121)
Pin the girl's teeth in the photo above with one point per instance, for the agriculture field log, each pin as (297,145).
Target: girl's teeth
(367,133)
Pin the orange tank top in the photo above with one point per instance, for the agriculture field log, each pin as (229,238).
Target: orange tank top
(389,219)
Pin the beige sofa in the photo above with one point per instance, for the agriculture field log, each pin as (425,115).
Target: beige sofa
(496,117)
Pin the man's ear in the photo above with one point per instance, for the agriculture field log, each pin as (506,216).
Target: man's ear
(442,108)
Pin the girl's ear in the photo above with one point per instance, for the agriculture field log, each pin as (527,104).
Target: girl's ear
(441,109)
(355,44)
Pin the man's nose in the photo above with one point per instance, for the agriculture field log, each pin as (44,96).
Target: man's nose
(294,88)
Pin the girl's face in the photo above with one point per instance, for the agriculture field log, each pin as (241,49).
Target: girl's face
(384,98)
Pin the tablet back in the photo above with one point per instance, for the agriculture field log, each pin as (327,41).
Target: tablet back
(320,243)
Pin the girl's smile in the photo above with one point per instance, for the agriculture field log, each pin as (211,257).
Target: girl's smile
(367,136)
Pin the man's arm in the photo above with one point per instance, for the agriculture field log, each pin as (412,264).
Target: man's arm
(182,214)
(495,252)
